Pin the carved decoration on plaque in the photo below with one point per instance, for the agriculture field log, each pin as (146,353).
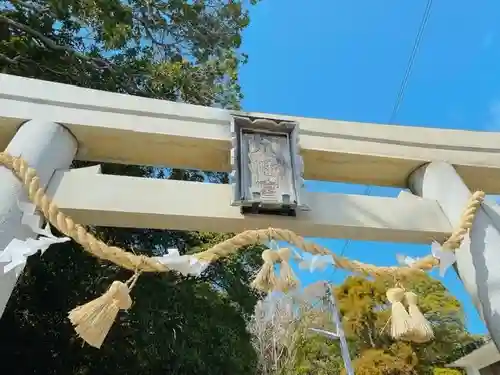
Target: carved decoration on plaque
(267,170)
(269,166)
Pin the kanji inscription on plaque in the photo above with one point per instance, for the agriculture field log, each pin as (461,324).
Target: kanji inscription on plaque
(267,169)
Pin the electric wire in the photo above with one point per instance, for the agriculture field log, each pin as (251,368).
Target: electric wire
(399,98)
(395,110)
(411,60)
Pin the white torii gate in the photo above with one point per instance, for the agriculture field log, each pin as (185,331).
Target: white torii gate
(50,124)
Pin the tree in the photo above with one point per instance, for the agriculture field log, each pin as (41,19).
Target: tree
(281,336)
(446,371)
(176,50)
(381,362)
(366,315)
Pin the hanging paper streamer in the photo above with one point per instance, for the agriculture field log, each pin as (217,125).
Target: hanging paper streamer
(17,251)
(315,262)
(184,264)
(405,260)
(29,216)
(446,257)
(45,239)
(15,255)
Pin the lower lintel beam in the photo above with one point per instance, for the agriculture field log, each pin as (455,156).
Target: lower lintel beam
(118,201)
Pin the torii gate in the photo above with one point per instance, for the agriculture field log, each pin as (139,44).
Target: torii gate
(50,124)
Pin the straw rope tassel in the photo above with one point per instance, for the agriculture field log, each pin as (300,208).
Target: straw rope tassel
(400,320)
(266,280)
(93,320)
(421,329)
(287,280)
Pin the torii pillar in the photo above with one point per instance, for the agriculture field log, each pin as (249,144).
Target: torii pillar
(478,267)
(46,146)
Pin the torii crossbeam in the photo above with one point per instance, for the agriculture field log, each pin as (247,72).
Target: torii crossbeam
(51,124)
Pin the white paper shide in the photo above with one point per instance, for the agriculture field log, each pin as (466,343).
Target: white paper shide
(15,255)
(184,264)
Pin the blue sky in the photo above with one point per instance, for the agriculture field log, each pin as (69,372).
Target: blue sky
(345,60)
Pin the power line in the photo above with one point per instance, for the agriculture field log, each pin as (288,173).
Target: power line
(409,67)
(399,98)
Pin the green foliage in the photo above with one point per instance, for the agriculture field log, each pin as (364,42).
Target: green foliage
(189,51)
(177,325)
(176,50)
(447,371)
(174,326)
(365,313)
(185,50)
(382,362)
(317,355)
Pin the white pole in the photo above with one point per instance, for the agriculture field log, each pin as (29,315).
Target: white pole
(344,347)
(46,146)
(479,267)
(472,371)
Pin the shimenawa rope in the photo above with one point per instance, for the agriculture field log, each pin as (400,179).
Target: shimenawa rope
(97,317)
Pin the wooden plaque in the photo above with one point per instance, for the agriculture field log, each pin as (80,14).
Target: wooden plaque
(267,169)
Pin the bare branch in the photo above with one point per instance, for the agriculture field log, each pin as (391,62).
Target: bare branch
(279,323)
(9,60)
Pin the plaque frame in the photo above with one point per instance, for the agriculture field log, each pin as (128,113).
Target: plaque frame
(267,168)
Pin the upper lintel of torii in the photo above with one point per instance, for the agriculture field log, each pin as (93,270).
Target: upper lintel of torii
(126,129)
(267,175)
